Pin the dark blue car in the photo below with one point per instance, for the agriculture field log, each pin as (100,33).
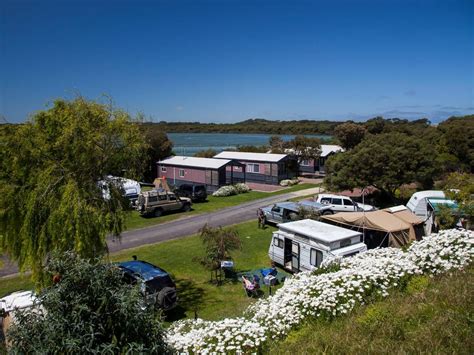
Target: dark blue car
(155,283)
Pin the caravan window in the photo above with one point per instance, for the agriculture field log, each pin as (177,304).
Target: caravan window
(316,257)
(278,242)
(345,243)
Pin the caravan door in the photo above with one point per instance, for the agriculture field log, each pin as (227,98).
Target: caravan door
(295,257)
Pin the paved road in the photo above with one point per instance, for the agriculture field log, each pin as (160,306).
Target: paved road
(189,225)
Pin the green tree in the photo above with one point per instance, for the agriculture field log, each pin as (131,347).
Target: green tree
(158,148)
(277,144)
(385,161)
(50,198)
(218,243)
(460,187)
(88,309)
(350,134)
(304,148)
(208,153)
(458,140)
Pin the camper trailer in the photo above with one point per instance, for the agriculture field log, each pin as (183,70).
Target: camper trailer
(425,204)
(303,245)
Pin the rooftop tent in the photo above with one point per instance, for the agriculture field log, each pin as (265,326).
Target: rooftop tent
(398,231)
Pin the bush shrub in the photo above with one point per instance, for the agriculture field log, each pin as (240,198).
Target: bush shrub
(289,182)
(230,190)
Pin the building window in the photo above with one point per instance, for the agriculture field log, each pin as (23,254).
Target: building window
(163,169)
(236,168)
(305,162)
(253,168)
(316,257)
(181,172)
(278,242)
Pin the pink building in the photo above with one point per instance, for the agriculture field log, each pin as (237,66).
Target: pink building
(211,172)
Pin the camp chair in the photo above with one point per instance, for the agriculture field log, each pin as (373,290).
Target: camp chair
(251,288)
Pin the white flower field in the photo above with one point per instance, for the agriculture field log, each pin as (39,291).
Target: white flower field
(345,284)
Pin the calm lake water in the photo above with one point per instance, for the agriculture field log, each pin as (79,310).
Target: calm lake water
(190,143)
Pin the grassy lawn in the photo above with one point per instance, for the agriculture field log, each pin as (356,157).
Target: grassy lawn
(17,283)
(434,316)
(135,221)
(196,293)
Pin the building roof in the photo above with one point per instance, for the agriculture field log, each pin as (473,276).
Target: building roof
(193,162)
(318,230)
(327,149)
(264,157)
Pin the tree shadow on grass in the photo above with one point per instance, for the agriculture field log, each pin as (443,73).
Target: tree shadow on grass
(190,299)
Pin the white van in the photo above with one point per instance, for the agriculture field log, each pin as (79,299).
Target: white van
(303,245)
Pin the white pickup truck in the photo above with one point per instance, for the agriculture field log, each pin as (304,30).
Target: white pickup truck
(339,203)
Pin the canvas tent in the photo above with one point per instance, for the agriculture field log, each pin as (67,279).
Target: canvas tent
(383,227)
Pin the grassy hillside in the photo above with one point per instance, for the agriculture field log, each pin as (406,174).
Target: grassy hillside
(434,315)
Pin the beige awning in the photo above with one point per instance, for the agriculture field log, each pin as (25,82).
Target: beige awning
(398,226)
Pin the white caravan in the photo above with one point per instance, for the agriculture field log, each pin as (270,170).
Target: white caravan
(303,245)
(425,204)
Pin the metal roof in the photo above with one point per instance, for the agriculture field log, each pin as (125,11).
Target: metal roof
(327,149)
(194,162)
(264,157)
(318,230)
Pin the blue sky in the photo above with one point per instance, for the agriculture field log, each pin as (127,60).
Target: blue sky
(227,61)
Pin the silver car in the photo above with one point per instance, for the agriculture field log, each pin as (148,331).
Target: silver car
(289,211)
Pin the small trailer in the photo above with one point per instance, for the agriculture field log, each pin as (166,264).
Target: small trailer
(303,245)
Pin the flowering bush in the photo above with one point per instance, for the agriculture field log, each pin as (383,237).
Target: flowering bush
(242,188)
(289,182)
(346,283)
(231,190)
(225,191)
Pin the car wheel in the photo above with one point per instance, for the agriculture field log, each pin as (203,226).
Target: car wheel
(158,212)
(187,207)
(166,298)
(327,212)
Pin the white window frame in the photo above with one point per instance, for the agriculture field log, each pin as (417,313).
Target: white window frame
(305,162)
(251,168)
(316,257)
(163,169)
(278,243)
(181,172)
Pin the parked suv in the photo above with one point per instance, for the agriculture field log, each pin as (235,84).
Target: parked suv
(156,202)
(197,193)
(340,203)
(155,283)
(289,211)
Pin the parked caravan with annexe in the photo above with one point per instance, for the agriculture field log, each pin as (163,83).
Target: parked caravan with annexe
(303,245)
(426,204)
